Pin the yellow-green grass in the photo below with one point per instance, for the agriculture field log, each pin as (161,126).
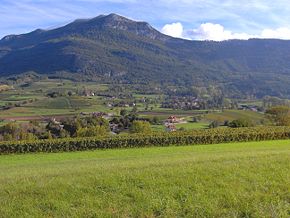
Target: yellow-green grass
(56,106)
(251,102)
(229,115)
(226,180)
(25,112)
(59,85)
(164,113)
(192,125)
(141,96)
(186,126)
(158,127)
(61,103)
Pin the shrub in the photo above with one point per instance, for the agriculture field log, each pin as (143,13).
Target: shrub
(92,131)
(240,123)
(139,126)
(213,124)
(194,137)
(279,115)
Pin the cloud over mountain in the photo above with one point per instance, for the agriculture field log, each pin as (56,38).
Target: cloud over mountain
(174,30)
(217,32)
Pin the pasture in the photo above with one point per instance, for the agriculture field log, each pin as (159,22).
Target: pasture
(226,180)
(229,115)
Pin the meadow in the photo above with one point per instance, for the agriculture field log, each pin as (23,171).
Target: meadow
(230,115)
(249,179)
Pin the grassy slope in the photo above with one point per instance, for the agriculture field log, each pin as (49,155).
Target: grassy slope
(226,180)
(191,125)
(51,106)
(230,115)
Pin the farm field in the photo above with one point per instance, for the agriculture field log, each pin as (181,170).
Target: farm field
(191,125)
(30,101)
(230,115)
(186,126)
(226,180)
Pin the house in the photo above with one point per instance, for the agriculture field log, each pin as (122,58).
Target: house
(114,127)
(54,121)
(172,119)
(249,107)
(88,93)
(170,127)
(99,114)
(84,113)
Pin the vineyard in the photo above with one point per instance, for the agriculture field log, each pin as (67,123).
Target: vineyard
(194,137)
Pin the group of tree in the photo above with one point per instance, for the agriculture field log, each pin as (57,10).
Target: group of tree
(71,127)
(237,123)
(279,115)
(130,121)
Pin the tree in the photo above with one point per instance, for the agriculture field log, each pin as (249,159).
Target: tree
(134,110)
(11,129)
(279,115)
(92,131)
(213,124)
(140,127)
(123,112)
(69,93)
(156,120)
(240,123)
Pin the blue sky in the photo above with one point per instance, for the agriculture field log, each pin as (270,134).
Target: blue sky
(192,19)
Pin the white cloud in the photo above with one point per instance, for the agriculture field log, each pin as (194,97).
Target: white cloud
(280,33)
(217,32)
(174,30)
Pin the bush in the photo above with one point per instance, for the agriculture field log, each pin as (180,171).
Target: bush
(92,131)
(213,124)
(139,126)
(240,123)
(279,115)
(194,137)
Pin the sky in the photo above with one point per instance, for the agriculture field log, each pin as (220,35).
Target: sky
(190,19)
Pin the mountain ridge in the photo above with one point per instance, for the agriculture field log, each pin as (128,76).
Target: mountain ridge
(117,48)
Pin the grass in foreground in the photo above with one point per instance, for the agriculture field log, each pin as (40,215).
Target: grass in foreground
(225,180)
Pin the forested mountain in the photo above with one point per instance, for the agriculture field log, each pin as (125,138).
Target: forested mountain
(121,50)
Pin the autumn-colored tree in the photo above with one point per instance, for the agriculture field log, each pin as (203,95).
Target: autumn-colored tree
(279,115)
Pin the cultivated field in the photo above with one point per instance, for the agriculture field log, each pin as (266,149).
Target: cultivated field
(227,180)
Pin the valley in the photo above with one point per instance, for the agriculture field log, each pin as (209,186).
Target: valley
(109,117)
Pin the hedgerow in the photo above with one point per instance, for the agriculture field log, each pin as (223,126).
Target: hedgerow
(208,136)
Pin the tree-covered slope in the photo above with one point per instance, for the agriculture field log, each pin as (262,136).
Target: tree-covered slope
(116,48)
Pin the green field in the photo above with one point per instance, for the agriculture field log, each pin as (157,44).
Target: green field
(28,101)
(42,105)
(186,126)
(192,125)
(229,115)
(226,180)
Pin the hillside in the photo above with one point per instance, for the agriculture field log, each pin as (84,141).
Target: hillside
(227,180)
(114,48)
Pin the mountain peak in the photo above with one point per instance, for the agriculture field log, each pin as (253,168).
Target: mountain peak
(117,17)
(115,21)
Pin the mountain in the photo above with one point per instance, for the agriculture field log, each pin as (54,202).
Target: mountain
(118,49)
